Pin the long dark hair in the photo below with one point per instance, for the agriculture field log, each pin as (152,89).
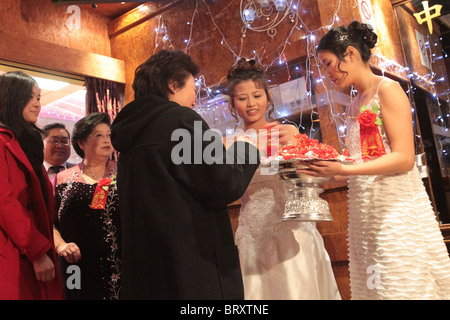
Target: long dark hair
(244,70)
(16,90)
(358,35)
(153,76)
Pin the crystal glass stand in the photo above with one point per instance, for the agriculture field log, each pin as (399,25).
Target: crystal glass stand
(304,203)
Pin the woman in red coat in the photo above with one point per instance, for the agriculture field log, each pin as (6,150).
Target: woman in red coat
(27,255)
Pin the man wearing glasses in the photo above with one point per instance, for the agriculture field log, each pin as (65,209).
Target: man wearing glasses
(56,148)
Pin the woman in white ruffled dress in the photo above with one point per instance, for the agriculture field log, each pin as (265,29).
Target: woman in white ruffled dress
(396,250)
(279,260)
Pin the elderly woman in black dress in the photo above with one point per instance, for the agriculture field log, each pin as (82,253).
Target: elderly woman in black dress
(87,228)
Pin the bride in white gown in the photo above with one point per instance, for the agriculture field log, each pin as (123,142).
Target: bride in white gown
(279,260)
(396,250)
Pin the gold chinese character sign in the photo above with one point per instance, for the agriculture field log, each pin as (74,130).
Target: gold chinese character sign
(426,15)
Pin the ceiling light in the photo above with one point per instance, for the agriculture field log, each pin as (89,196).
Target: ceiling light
(51,85)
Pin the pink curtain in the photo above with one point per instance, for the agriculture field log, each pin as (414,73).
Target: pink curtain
(103,96)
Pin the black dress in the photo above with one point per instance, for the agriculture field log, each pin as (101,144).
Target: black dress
(97,232)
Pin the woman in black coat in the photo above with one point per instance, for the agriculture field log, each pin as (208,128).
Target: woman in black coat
(175,180)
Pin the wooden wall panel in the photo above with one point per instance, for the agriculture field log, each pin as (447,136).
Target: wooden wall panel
(134,47)
(41,20)
(389,39)
(34,32)
(58,58)
(389,42)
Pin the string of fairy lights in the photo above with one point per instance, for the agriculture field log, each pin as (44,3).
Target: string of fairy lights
(286,12)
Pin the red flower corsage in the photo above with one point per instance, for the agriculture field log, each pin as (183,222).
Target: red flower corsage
(371,142)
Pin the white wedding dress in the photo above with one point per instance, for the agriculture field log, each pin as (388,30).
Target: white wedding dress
(280,260)
(396,250)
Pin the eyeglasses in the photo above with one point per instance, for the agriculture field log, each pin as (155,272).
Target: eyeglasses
(56,141)
(99,136)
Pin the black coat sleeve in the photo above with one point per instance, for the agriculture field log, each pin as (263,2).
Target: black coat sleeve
(210,173)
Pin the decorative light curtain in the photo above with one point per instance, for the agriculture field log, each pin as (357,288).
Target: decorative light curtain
(103,96)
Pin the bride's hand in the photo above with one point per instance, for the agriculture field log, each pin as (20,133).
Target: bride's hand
(286,132)
(323,168)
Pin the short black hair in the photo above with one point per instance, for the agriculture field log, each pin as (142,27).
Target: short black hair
(55,125)
(84,127)
(153,76)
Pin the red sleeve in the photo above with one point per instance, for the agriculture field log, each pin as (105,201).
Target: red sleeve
(15,220)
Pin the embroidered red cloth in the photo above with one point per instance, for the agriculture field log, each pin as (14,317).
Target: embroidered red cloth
(371,142)
(101,194)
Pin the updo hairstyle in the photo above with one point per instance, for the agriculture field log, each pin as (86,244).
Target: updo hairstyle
(358,35)
(244,70)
